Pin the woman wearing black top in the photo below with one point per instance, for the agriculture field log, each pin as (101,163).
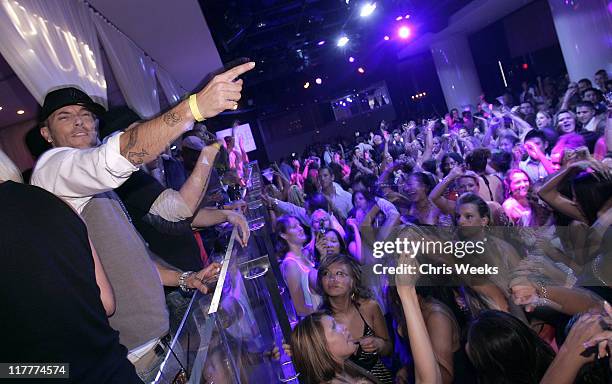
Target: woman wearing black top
(344,298)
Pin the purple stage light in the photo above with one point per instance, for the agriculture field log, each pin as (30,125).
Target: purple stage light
(386,38)
(321,42)
(351,59)
(318,80)
(399,18)
(361,70)
(403,32)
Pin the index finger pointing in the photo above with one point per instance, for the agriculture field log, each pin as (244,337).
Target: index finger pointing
(233,73)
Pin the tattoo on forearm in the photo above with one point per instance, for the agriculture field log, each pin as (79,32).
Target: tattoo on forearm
(135,157)
(171,118)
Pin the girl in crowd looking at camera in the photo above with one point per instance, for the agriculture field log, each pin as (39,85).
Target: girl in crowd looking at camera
(345,298)
(520,205)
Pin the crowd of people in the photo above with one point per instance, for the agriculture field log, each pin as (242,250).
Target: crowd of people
(106,244)
(529,173)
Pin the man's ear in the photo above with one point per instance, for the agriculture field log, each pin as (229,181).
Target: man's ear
(46,134)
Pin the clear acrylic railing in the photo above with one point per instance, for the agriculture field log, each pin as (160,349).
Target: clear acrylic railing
(227,336)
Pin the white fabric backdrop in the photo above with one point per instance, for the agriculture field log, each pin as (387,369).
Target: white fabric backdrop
(134,71)
(52,43)
(174,92)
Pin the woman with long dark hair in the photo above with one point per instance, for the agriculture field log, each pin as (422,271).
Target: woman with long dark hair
(473,218)
(349,303)
(296,266)
(328,242)
(504,350)
(421,210)
(520,205)
(491,186)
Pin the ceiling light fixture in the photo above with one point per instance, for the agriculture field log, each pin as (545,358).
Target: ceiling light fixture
(367,9)
(403,32)
(20,112)
(342,41)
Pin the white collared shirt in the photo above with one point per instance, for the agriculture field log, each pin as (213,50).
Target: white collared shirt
(534,169)
(76,175)
(342,200)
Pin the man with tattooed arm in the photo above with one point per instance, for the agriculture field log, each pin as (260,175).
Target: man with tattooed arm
(84,174)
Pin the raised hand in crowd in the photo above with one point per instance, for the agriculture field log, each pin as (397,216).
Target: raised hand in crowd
(579,348)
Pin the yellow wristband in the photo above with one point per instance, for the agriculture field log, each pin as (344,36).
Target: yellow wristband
(216,145)
(193,106)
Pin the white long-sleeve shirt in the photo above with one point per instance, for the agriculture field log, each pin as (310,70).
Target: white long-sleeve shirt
(76,175)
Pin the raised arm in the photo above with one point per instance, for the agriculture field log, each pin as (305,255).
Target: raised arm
(243,153)
(535,152)
(523,126)
(426,368)
(436,195)
(428,141)
(550,192)
(143,142)
(566,365)
(567,97)
(354,248)
(306,166)
(195,185)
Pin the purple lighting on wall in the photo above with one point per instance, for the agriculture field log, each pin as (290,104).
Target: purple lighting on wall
(403,32)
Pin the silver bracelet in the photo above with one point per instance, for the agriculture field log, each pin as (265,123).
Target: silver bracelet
(183,281)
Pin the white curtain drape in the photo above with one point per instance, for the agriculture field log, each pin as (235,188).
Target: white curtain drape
(133,69)
(52,43)
(174,92)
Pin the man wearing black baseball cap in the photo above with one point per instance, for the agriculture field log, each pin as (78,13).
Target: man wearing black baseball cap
(84,175)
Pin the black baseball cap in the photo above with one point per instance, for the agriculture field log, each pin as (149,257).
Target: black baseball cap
(63,97)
